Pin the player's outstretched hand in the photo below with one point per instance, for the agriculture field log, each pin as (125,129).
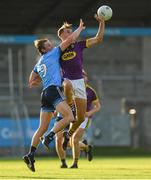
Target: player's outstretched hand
(99,18)
(81,24)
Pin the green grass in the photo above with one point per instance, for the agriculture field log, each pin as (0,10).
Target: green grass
(111,167)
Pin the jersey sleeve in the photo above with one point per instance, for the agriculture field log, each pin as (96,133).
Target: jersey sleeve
(35,69)
(82,44)
(59,49)
(95,96)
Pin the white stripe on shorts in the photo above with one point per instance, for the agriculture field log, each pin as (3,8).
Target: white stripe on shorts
(60,93)
(83,125)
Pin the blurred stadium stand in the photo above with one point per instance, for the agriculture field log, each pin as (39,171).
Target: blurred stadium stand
(26,17)
(119,68)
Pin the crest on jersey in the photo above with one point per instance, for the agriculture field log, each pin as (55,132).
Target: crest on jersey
(72,45)
(42,69)
(69,55)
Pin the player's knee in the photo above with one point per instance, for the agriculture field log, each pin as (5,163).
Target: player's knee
(69,117)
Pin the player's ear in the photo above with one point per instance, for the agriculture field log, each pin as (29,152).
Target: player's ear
(43,50)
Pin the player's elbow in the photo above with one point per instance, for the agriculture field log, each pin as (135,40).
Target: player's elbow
(98,107)
(99,39)
(31,84)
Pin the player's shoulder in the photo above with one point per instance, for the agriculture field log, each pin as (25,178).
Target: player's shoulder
(55,51)
(88,86)
(39,60)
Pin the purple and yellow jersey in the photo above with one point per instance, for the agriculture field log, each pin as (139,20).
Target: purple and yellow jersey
(91,97)
(72,60)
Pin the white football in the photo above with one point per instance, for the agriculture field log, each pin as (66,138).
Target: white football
(105,11)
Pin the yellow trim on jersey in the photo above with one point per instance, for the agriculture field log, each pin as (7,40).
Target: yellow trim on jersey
(97,98)
(87,44)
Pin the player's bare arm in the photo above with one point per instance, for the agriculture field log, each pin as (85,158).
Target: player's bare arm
(96,108)
(71,39)
(99,36)
(34,80)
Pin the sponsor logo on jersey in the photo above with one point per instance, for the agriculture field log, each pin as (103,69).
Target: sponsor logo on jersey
(68,55)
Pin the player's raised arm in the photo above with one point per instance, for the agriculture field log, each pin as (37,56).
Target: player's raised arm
(71,39)
(77,32)
(99,36)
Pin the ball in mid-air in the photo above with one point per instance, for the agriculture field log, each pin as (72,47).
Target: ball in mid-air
(105,12)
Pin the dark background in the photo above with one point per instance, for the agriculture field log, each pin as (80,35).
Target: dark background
(24,17)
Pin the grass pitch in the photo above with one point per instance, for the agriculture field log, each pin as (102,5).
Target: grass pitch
(111,167)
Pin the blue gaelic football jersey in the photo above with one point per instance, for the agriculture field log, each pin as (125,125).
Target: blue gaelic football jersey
(48,68)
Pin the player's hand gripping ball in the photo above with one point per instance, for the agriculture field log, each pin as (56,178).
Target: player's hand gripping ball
(105,12)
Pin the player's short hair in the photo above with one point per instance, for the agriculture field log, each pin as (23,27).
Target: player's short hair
(64,26)
(39,44)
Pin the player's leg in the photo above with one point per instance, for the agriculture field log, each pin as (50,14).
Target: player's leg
(81,110)
(45,118)
(56,99)
(61,153)
(81,103)
(67,115)
(68,91)
(87,148)
(84,146)
(76,147)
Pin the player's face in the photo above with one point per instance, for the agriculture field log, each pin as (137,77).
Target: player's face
(67,32)
(48,46)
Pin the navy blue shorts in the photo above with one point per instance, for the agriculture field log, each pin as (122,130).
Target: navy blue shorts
(51,97)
